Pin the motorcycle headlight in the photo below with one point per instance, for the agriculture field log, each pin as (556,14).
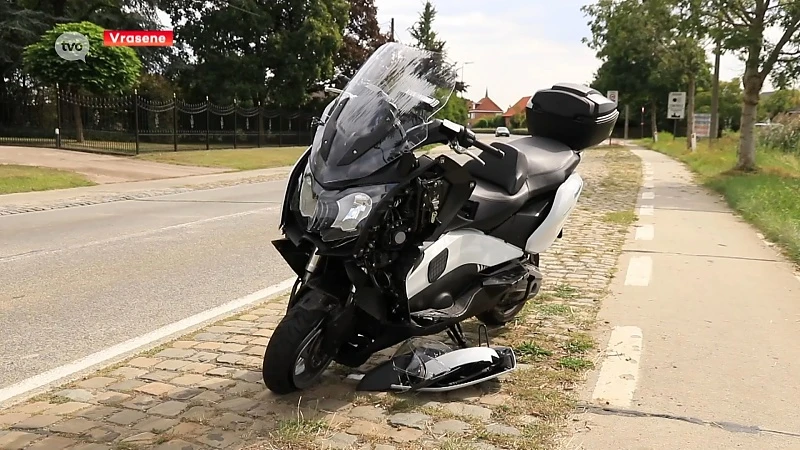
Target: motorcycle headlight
(307,202)
(353,209)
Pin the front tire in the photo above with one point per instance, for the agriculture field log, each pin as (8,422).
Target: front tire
(294,359)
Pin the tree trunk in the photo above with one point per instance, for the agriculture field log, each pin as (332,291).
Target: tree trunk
(76,114)
(690,110)
(654,121)
(747,141)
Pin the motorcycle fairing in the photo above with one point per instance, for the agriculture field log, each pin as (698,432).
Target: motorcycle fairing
(447,372)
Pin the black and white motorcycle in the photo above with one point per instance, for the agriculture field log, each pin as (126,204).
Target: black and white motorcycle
(388,245)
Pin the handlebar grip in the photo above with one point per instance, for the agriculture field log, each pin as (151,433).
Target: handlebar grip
(496,152)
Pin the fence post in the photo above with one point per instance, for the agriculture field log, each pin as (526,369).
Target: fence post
(280,129)
(208,122)
(136,118)
(234,123)
(260,124)
(174,122)
(58,116)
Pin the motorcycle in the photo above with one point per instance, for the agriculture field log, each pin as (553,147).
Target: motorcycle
(388,245)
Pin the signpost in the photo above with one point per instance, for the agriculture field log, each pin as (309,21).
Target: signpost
(676,106)
(702,125)
(614,97)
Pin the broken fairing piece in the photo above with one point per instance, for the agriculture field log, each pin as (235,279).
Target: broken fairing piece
(431,366)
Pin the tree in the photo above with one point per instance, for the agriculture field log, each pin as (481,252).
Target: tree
(454,110)
(361,37)
(630,37)
(422,31)
(780,101)
(744,24)
(730,103)
(106,70)
(278,51)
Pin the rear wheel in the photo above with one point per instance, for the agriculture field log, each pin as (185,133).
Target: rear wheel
(506,311)
(295,359)
(500,314)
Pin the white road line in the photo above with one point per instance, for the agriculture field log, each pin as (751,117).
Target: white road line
(620,371)
(646,210)
(648,185)
(645,232)
(136,235)
(640,270)
(648,179)
(649,195)
(131,345)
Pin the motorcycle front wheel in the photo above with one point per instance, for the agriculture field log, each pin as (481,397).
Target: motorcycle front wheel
(295,359)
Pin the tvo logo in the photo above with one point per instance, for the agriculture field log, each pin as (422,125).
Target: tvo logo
(72,46)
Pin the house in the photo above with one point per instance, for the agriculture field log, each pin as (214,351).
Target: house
(482,109)
(517,108)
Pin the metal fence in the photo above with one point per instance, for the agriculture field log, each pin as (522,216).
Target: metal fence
(136,123)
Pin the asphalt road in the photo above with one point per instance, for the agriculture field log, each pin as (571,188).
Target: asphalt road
(76,281)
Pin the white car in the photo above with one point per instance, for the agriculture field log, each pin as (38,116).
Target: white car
(502,131)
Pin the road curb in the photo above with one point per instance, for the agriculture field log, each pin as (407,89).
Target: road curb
(31,387)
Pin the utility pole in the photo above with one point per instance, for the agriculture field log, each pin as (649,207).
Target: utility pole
(391,32)
(715,92)
(714,132)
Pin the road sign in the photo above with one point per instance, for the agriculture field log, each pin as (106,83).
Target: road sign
(676,105)
(613,96)
(702,125)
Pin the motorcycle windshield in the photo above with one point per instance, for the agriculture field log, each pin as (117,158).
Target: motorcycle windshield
(381,114)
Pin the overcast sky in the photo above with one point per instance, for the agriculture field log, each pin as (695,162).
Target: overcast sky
(516,46)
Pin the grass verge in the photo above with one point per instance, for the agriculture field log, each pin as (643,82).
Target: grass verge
(768,198)
(235,159)
(14,178)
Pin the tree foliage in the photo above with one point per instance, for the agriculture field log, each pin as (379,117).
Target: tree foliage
(276,51)
(778,102)
(422,32)
(742,26)
(730,103)
(361,37)
(106,70)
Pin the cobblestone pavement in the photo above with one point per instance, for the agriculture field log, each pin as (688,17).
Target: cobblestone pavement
(204,391)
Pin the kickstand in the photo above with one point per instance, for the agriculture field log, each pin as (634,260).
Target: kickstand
(483,332)
(456,334)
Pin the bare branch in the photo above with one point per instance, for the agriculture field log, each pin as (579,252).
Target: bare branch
(788,34)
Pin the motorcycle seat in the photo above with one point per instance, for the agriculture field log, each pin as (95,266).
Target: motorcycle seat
(539,164)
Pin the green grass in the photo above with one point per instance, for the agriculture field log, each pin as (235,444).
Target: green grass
(769,198)
(14,178)
(234,159)
(620,217)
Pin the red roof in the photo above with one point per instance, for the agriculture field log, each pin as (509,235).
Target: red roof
(486,104)
(518,107)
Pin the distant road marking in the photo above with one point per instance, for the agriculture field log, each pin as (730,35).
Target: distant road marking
(131,345)
(645,232)
(649,195)
(646,210)
(620,371)
(648,179)
(640,269)
(648,185)
(140,234)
